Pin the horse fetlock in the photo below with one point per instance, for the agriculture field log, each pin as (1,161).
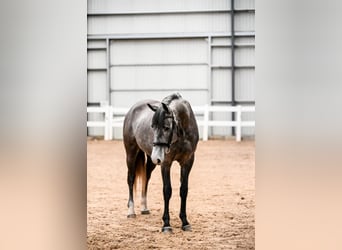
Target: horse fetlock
(131,212)
(167,229)
(187,228)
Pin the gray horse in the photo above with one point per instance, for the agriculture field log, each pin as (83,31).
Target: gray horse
(158,133)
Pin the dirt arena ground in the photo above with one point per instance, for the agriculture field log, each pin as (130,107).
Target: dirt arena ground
(220,203)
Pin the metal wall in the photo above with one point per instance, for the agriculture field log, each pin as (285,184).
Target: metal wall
(203,49)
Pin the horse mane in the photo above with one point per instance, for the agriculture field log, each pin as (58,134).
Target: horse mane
(167,100)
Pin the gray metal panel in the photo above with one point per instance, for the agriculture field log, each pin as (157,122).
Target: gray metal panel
(166,23)
(222,87)
(154,5)
(97,86)
(245,21)
(245,85)
(158,77)
(221,41)
(96,44)
(221,56)
(96,93)
(244,57)
(127,99)
(245,40)
(159,51)
(96,59)
(244,4)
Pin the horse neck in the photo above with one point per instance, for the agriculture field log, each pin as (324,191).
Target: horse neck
(181,113)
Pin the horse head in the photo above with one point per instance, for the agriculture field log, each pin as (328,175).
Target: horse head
(164,131)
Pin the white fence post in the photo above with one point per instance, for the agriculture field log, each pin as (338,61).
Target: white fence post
(238,125)
(110,122)
(206,122)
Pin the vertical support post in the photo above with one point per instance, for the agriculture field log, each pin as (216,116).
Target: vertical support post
(210,78)
(108,71)
(238,123)
(232,14)
(209,70)
(206,122)
(106,128)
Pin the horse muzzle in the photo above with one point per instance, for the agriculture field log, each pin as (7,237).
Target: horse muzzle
(158,154)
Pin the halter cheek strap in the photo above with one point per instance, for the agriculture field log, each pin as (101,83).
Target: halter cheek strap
(167,144)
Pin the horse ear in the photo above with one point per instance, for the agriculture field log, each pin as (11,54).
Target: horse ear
(165,107)
(152,107)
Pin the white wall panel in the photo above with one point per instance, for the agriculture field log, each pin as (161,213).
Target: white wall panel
(155,5)
(245,22)
(244,56)
(97,44)
(221,56)
(166,23)
(96,59)
(159,51)
(222,88)
(244,4)
(97,90)
(156,77)
(127,99)
(221,40)
(244,85)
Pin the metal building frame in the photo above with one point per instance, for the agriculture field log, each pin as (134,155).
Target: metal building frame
(108,38)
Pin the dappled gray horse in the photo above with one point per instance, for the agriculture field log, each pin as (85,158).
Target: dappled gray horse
(160,133)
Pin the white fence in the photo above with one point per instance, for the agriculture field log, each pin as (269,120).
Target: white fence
(113,117)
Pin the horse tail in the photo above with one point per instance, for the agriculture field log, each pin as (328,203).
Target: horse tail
(140,171)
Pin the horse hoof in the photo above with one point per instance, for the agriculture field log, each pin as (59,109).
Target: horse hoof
(145,211)
(167,229)
(186,227)
(131,216)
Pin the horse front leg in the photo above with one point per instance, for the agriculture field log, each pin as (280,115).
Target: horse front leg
(167,192)
(183,192)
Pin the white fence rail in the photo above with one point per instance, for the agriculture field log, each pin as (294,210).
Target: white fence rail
(114,117)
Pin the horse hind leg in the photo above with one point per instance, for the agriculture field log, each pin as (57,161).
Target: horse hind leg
(185,171)
(131,160)
(149,167)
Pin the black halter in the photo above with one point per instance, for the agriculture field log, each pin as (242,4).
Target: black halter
(167,144)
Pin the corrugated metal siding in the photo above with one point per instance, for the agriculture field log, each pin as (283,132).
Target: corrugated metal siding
(97,86)
(129,98)
(245,21)
(158,77)
(96,59)
(155,5)
(159,51)
(222,89)
(245,86)
(244,4)
(138,69)
(166,23)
